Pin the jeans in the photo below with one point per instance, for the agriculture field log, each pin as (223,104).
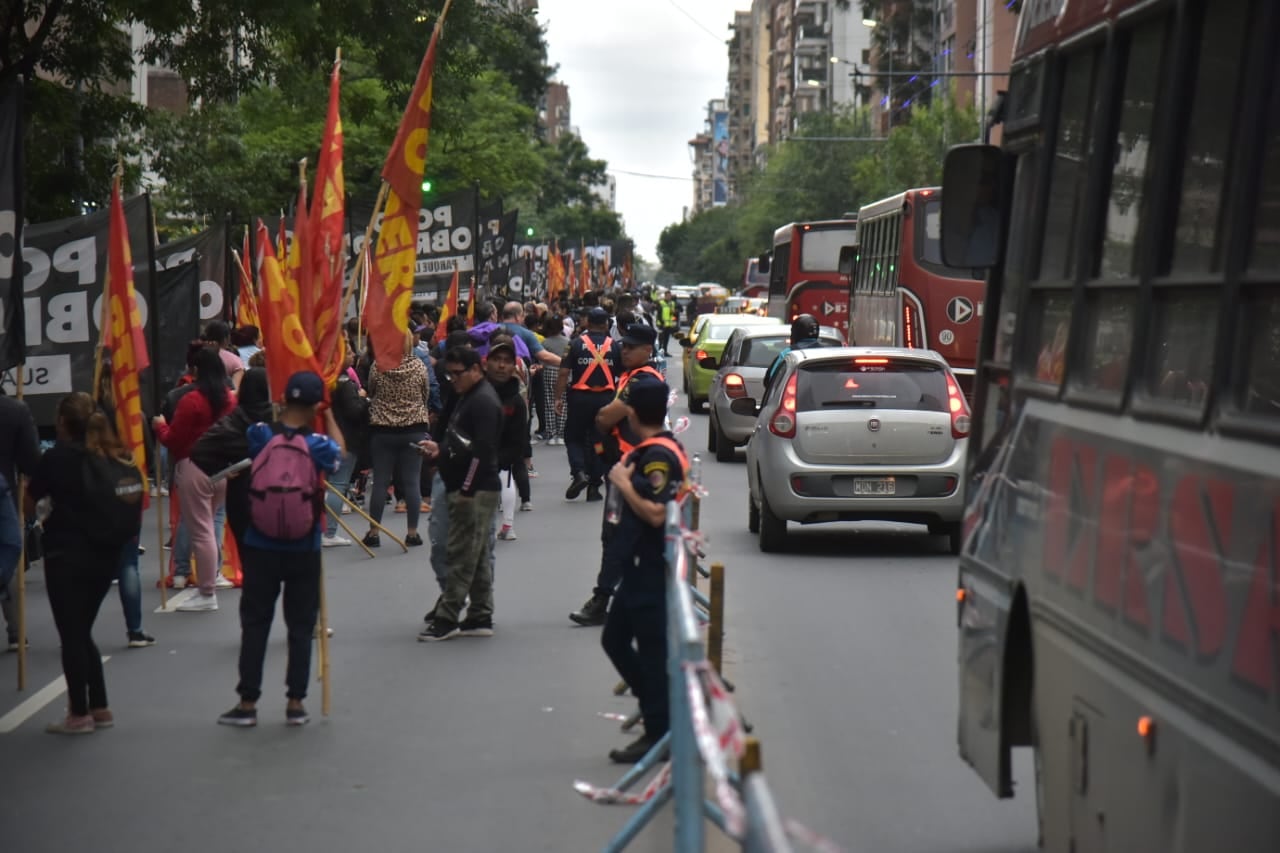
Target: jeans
(340,480)
(392,454)
(635,639)
(182,542)
(469,549)
(202,502)
(438,531)
(77,583)
(130,587)
(264,574)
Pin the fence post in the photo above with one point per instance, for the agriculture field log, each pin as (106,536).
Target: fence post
(685,646)
(715,631)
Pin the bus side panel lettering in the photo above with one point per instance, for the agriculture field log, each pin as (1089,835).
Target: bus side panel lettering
(1117,479)
(1200,519)
(1257,654)
(1144,520)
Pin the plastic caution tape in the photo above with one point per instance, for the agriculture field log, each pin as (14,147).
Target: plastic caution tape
(716,736)
(612,796)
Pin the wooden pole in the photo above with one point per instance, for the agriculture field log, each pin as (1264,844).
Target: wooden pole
(325,691)
(337,516)
(368,235)
(368,518)
(160,521)
(715,631)
(22,564)
(750,761)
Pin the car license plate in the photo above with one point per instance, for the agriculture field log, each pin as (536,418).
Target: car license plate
(874,486)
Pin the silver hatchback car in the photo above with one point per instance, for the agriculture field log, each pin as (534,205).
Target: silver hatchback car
(858,434)
(740,372)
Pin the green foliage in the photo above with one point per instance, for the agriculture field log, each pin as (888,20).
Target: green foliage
(902,41)
(808,179)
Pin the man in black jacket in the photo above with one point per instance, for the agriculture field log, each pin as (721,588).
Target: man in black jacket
(468,459)
(500,368)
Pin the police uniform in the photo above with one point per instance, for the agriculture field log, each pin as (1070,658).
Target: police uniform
(594,365)
(635,631)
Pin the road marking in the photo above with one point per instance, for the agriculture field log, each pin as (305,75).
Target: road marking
(178,599)
(34,703)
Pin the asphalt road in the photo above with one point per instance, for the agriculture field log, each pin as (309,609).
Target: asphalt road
(843,652)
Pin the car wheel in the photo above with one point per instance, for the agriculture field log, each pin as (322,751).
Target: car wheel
(723,446)
(753,514)
(773,530)
(955,537)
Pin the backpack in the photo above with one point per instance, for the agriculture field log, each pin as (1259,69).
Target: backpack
(113,491)
(285,492)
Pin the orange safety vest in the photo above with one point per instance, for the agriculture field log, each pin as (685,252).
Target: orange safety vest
(597,361)
(674,447)
(624,446)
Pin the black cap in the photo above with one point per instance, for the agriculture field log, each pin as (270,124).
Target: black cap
(597,316)
(304,388)
(648,396)
(639,335)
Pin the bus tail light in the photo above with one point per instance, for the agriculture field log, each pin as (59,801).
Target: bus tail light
(959,410)
(783,422)
(734,386)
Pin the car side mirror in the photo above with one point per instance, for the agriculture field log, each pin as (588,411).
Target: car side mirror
(708,362)
(971,215)
(744,406)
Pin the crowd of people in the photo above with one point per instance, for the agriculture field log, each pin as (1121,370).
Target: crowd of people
(448,433)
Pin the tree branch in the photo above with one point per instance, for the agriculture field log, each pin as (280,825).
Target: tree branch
(27,64)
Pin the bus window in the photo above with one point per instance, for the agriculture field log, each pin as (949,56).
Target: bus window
(1053,309)
(1184,330)
(1070,161)
(1266,239)
(820,248)
(1208,137)
(779,269)
(1108,338)
(1261,392)
(1015,274)
(931,233)
(1132,152)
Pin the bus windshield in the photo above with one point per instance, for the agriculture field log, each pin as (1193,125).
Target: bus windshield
(820,248)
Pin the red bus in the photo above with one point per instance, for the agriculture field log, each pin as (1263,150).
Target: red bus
(1118,596)
(804,272)
(903,295)
(755,282)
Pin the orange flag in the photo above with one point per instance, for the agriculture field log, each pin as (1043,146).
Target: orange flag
(288,348)
(471,303)
(123,335)
(247,304)
(628,276)
(297,266)
(584,278)
(448,309)
(328,210)
(391,281)
(555,272)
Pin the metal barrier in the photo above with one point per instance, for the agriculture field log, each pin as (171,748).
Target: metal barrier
(707,731)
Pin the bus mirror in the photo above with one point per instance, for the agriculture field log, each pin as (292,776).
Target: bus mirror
(762,263)
(971,218)
(847,256)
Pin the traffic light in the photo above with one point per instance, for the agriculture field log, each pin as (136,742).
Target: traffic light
(426,185)
(528,232)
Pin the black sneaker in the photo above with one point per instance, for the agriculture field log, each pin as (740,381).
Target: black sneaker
(593,494)
(430,617)
(413,539)
(296,717)
(438,631)
(593,612)
(140,640)
(579,482)
(475,628)
(372,540)
(634,751)
(238,716)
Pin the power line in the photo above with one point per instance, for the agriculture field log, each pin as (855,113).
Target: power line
(650,175)
(699,24)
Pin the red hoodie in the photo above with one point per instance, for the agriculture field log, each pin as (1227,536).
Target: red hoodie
(191,419)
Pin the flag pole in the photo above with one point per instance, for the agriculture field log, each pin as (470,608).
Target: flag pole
(325,692)
(22,566)
(356,273)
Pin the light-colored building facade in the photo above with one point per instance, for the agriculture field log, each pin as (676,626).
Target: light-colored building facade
(741,101)
(709,152)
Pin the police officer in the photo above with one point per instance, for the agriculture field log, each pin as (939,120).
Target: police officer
(591,381)
(635,632)
(668,320)
(613,422)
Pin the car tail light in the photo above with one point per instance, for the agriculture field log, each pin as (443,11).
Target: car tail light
(783,422)
(959,410)
(699,355)
(734,386)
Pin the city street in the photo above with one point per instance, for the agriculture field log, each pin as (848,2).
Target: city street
(843,652)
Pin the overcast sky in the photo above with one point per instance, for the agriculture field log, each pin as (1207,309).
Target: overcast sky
(640,74)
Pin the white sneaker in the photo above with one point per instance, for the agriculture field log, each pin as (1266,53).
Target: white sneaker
(199,603)
(223,582)
(506,533)
(527,506)
(346,510)
(179,581)
(334,541)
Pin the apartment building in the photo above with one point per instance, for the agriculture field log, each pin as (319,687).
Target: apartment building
(741,100)
(709,151)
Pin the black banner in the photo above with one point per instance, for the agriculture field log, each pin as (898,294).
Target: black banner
(446,239)
(208,250)
(179,295)
(12,321)
(65,267)
(489,220)
(528,278)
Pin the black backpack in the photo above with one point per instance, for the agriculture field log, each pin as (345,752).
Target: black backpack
(113,492)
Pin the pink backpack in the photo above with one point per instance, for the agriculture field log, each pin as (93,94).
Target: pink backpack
(284,489)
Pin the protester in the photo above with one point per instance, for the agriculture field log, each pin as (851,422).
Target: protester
(438,523)
(590,379)
(351,410)
(201,502)
(19,456)
(398,419)
(282,544)
(468,459)
(246,340)
(613,422)
(500,369)
(513,322)
(557,342)
(96,496)
(635,630)
(217,335)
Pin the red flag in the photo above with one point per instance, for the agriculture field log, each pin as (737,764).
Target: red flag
(247,304)
(288,348)
(297,267)
(584,278)
(555,272)
(326,242)
(390,286)
(448,309)
(123,337)
(471,303)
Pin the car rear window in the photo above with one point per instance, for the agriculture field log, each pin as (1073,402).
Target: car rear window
(868,383)
(719,332)
(761,352)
